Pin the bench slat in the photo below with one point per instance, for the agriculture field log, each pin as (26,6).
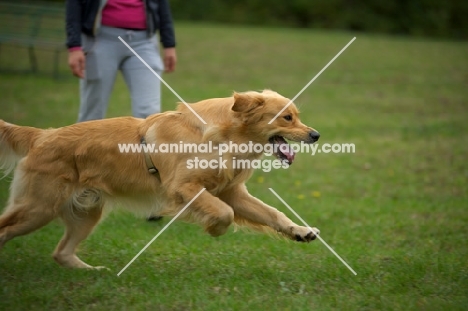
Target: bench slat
(34,25)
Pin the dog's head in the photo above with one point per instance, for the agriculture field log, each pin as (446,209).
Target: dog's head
(257,110)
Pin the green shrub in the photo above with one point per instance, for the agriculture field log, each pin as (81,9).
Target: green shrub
(415,17)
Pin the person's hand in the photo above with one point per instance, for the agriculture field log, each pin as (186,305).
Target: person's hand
(77,62)
(170,59)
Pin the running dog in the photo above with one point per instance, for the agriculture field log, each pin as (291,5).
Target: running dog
(74,172)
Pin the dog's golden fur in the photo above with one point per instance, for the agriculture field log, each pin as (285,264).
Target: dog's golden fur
(74,171)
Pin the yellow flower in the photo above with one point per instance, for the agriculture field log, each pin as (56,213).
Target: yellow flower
(301,196)
(315,194)
(260,179)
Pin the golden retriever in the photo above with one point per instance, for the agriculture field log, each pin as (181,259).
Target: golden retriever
(74,171)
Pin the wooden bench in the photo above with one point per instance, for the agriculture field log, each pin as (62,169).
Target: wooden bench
(34,25)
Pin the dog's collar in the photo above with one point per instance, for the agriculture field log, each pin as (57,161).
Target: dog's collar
(149,163)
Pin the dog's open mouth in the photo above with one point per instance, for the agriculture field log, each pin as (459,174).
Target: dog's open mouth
(282,149)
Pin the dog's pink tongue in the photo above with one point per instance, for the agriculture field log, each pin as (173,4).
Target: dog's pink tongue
(288,152)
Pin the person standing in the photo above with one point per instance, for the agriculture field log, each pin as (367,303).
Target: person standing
(96,54)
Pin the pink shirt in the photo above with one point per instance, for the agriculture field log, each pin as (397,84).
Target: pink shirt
(124,14)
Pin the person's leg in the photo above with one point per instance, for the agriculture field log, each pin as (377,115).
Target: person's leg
(102,63)
(144,86)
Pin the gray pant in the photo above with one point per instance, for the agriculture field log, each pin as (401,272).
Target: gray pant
(105,55)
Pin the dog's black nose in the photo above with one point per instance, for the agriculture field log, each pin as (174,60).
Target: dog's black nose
(314,136)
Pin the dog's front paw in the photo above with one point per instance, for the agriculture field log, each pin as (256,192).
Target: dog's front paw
(303,234)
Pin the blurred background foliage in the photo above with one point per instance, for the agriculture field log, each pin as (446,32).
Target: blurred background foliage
(436,18)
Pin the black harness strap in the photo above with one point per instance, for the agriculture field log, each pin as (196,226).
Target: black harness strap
(149,163)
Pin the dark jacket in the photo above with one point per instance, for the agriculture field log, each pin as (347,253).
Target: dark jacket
(83,16)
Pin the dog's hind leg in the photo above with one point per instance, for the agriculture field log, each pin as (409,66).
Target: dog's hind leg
(80,216)
(23,218)
(27,210)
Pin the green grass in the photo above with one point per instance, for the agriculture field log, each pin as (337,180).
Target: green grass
(396,210)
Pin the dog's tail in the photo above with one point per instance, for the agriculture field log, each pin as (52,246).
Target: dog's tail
(15,142)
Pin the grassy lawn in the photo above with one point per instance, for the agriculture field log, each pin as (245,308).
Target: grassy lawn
(396,210)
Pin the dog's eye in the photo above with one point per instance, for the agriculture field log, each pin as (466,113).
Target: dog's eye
(288,117)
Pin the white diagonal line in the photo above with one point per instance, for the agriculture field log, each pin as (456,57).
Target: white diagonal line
(313,79)
(318,236)
(162,80)
(160,232)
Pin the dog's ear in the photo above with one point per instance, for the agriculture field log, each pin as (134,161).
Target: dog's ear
(244,102)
